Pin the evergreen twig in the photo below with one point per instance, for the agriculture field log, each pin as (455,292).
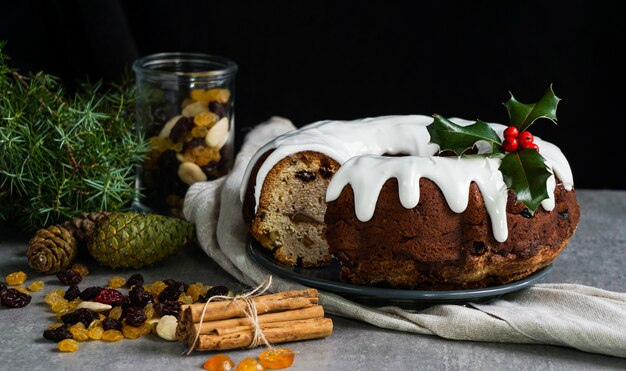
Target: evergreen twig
(62,154)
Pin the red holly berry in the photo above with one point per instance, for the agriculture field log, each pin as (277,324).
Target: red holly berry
(509,144)
(533,146)
(525,139)
(511,131)
(110,296)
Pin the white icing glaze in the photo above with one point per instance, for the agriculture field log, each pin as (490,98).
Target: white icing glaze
(358,146)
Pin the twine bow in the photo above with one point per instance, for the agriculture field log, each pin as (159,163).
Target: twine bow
(249,309)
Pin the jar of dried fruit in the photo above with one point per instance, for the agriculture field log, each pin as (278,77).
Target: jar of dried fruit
(185,107)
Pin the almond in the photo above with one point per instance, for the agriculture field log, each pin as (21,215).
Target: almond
(218,134)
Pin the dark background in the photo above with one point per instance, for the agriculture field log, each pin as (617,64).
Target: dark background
(312,60)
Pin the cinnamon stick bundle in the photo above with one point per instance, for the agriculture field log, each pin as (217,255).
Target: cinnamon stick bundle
(285,316)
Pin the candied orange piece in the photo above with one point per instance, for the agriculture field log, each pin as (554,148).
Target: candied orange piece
(219,362)
(22,290)
(276,358)
(249,364)
(15,278)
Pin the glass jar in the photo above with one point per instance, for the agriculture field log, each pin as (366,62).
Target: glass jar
(185,108)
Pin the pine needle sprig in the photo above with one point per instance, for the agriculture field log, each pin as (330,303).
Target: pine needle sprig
(62,154)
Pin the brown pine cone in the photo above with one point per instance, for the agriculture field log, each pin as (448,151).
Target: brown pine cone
(83,226)
(51,249)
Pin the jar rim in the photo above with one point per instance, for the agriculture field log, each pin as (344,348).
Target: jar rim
(217,66)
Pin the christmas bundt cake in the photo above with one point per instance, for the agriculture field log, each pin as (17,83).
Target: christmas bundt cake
(415,202)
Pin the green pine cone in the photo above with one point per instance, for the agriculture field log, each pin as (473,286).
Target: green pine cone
(133,240)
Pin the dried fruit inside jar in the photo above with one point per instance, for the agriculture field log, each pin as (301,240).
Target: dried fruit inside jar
(192,145)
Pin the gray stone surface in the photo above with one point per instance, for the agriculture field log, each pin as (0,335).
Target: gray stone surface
(596,256)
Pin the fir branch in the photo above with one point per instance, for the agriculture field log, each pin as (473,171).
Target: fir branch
(62,154)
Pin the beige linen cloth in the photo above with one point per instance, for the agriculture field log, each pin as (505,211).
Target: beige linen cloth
(581,317)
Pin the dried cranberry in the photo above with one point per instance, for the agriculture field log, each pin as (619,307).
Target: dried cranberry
(135,316)
(90,293)
(110,296)
(69,277)
(83,315)
(13,298)
(167,308)
(71,293)
(58,334)
(111,324)
(135,280)
(139,297)
(171,293)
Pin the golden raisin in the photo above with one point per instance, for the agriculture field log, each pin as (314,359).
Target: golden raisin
(206,96)
(60,305)
(275,358)
(145,329)
(74,303)
(155,288)
(55,325)
(62,312)
(95,333)
(15,278)
(22,290)
(219,362)
(131,332)
(206,119)
(116,282)
(79,332)
(199,131)
(185,299)
(53,297)
(148,310)
(112,335)
(36,286)
(193,292)
(68,345)
(115,313)
(80,269)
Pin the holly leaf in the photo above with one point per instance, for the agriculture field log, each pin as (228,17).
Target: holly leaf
(458,139)
(523,115)
(525,172)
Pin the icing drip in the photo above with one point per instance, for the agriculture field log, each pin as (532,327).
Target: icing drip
(358,146)
(452,175)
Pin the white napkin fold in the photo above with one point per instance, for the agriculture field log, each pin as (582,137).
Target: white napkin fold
(577,316)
